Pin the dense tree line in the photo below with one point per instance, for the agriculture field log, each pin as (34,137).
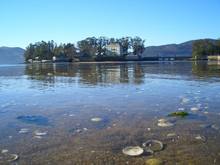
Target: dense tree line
(91,47)
(203,48)
(47,50)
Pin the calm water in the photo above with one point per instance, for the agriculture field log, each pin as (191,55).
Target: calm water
(46,112)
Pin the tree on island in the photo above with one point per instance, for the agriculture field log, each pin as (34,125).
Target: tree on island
(138,45)
(204,48)
(90,48)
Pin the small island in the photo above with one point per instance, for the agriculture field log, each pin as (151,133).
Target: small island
(89,49)
(122,49)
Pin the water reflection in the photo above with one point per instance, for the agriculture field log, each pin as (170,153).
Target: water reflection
(206,69)
(131,73)
(92,74)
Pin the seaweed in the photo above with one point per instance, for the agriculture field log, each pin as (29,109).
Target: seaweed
(179,114)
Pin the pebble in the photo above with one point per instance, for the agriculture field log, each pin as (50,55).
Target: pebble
(194,109)
(215,127)
(133,151)
(114,125)
(171,134)
(164,123)
(181,109)
(38,137)
(38,133)
(96,119)
(14,157)
(199,137)
(4,151)
(154,161)
(78,131)
(23,131)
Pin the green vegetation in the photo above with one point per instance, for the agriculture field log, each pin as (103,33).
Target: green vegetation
(89,49)
(179,114)
(47,50)
(203,48)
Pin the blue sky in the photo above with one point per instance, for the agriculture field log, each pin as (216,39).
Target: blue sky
(156,21)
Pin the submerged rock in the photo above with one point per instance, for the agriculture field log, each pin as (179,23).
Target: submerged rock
(181,109)
(215,127)
(13,157)
(38,137)
(154,161)
(96,119)
(171,134)
(6,157)
(38,120)
(199,137)
(39,133)
(133,151)
(194,109)
(164,123)
(152,146)
(162,120)
(4,151)
(23,130)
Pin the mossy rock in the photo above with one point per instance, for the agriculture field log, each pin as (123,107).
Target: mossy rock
(179,114)
(154,161)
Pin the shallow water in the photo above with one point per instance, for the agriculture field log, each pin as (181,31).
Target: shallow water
(128,97)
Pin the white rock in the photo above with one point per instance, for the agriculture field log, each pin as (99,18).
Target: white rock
(23,131)
(214,127)
(39,133)
(162,120)
(38,137)
(96,119)
(133,151)
(171,134)
(199,137)
(165,124)
(4,151)
(194,109)
(181,109)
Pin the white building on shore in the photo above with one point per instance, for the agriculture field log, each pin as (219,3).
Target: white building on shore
(114,49)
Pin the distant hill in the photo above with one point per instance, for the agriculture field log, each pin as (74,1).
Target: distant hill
(11,55)
(171,50)
(14,55)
